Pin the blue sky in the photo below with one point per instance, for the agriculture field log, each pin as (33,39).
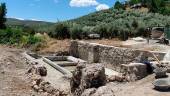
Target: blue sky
(54,10)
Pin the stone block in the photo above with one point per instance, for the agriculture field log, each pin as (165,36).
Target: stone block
(134,71)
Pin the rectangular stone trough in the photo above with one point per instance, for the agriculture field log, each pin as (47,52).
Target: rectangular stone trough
(64,64)
(31,57)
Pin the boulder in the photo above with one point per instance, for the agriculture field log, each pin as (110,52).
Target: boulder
(101,91)
(104,91)
(118,78)
(38,69)
(91,76)
(89,92)
(134,71)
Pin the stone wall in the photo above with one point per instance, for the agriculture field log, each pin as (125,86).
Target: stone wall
(109,55)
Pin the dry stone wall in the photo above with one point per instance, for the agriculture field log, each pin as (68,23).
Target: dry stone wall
(109,55)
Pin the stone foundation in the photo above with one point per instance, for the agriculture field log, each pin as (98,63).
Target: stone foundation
(110,55)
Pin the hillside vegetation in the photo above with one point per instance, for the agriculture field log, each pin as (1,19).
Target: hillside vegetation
(115,23)
(15,35)
(112,23)
(38,26)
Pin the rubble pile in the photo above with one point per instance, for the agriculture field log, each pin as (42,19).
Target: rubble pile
(90,80)
(36,73)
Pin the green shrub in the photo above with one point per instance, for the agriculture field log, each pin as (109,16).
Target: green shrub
(119,5)
(18,37)
(61,31)
(10,36)
(76,32)
(31,40)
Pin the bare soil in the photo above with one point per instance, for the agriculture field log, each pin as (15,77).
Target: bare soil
(54,45)
(142,87)
(13,80)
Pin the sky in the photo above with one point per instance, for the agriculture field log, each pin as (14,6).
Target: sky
(54,10)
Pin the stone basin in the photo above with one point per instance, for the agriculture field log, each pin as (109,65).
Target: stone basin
(160,72)
(162,84)
(33,55)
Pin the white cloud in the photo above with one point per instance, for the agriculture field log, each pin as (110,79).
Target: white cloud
(83,3)
(16,18)
(102,7)
(20,18)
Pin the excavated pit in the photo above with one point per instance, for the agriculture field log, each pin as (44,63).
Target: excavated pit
(67,62)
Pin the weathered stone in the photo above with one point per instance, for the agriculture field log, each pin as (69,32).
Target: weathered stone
(89,77)
(110,55)
(36,88)
(89,92)
(74,49)
(104,91)
(38,69)
(101,91)
(134,71)
(75,80)
(42,71)
(93,76)
(119,78)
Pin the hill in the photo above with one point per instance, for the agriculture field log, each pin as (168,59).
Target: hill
(37,25)
(122,16)
(114,22)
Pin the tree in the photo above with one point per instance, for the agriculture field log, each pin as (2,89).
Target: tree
(76,32)
(132,2)
(28,30)
(119,5)
(61,31)
(3,12)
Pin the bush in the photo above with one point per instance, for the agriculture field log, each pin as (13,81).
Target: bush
(76,32)
(30,40)
(18,37)
(10,36)
(119,5)
(61,31)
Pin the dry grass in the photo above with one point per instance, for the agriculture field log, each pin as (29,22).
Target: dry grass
(54,45)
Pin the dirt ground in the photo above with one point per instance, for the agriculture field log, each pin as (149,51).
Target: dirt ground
(142,87)
(13,80)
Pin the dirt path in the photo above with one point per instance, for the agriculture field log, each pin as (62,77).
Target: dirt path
(142,87)
(13,80)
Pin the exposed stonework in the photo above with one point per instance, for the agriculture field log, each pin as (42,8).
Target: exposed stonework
(134,71)
(109,55)
(38,69)
(103,54)
(89,77)
(36,74)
